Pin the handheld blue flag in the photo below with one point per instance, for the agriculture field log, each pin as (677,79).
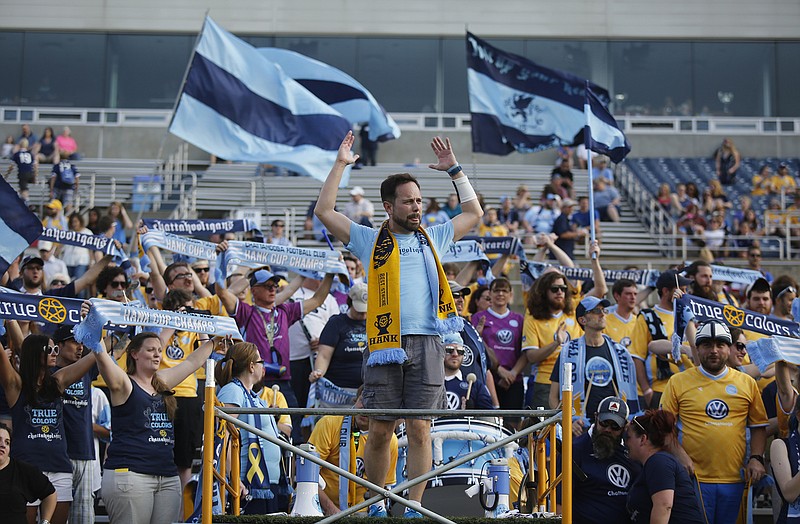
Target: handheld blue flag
(337,89)
(19,227)
(519,105)
(238,105)
(602,133)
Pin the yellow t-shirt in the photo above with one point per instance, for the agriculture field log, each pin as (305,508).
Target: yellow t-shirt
(214,305)
(630,333)
(181,345)
(758,188)
(325,438)
(714,412)
(539,333)
(668,320)
(784,182)
(267,396)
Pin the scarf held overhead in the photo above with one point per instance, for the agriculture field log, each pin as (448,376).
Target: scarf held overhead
(255,254)
(383,297)
(200,226)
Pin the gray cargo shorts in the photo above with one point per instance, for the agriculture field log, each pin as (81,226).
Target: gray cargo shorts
(418,383)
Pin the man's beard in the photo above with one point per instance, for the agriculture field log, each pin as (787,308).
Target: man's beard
(406,223)
(604,445)
(706,292)
(557,305)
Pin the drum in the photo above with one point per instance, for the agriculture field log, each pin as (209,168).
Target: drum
(453,438)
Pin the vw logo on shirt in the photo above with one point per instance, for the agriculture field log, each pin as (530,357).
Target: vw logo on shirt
(505,336)
(717,409)
(619,476)
(453,401)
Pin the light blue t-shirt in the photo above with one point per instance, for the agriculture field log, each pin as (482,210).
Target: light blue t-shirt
(233,393)
(416,300)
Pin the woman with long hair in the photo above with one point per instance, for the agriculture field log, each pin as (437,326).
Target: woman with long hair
(116,211)
(479,301)
(237,373)
(663,492)
(727,161)
(140,479)
(37,412)
(46,151)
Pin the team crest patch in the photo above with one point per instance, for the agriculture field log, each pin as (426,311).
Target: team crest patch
(52,310)
(733,316)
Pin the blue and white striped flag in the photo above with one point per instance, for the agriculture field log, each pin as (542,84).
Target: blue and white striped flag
(337,89)
(519,105)
(238,105)
(18,226)
(602,133)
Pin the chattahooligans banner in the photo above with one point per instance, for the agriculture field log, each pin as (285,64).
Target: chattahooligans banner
(200,226)
(465,251)
(733,274)
(191,247)
(255,254)
(73,238)
(703,310)
(643,277)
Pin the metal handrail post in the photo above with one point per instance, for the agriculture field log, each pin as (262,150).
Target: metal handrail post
(541,472)
(208,444)
(551,481)
(566,445)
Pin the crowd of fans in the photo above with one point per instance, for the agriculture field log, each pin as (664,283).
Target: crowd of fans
(303,333)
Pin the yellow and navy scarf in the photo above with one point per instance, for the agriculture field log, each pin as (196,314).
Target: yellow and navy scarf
(383,298)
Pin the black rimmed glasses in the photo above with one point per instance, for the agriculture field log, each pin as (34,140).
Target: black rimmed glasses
(453,349)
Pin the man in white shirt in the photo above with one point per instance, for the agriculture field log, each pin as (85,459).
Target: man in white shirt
(52,264)
(359,209)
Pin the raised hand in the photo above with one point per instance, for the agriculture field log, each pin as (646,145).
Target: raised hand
(444,154)
(345,155)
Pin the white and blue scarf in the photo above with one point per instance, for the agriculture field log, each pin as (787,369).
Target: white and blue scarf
(255,254)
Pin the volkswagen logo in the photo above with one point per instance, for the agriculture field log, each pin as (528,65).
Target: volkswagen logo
(619,476)
(717,409)
(505,336)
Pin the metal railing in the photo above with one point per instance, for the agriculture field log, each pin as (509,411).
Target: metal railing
(543,494)
(659,223)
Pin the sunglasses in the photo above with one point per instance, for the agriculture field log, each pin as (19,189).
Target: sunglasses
(182,275)
(610,424)
(148,290)
(452,350)
(556,289)
(755,255)
(258,362)
(741,346)
(279,225)
(58,283)
(201,270)
(787,289)
(597,311)
(118,284)
(269,287)
(50,350)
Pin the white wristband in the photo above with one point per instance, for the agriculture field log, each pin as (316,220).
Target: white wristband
(464,189)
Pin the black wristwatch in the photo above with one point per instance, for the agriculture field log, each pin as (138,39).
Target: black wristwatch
(759,458)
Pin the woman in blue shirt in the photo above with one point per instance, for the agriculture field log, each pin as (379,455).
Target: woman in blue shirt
(140,479)
(240,370)
(37,412)
(663,493)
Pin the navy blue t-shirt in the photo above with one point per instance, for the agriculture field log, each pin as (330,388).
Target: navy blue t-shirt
(144,435)
(38,435)
(601,498)
(24,161)
(474,353)
(78,417)
(661,472)
(479,395)
(348,338)
(599,369)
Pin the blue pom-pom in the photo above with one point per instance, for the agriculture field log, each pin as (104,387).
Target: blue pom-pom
(454,324)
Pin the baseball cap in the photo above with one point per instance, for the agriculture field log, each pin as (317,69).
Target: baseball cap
(567,202)
(760,284)
(63,333)
(31,258)
(357,190)
(455,288)
(262,276)
(667,280)
(553,196)
(358,296)
(614,409)
(55,204)
(588,304)
(45,245)
(713,330)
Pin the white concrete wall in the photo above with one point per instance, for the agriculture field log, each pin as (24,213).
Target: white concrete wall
(724,19)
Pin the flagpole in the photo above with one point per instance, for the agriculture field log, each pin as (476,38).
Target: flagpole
(164,136)
(587,139)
